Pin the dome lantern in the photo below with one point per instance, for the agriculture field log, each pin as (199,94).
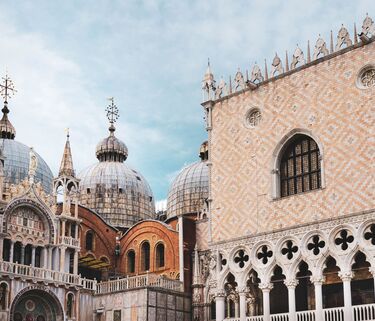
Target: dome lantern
(111,149)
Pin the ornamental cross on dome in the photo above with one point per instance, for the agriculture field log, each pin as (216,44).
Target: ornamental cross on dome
(112,111)
(7,89)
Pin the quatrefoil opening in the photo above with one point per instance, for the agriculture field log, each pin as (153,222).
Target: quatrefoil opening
(241,258)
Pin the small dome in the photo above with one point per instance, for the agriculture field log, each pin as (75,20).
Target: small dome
(16,165)
(111,149)
(189,190)
(120,194)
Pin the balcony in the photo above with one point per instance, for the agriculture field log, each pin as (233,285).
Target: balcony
(27,272)
(69,241)
(139,281)
(35,274)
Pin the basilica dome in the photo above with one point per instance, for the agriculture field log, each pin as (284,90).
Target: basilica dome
(189,190)
(117,192)
(16,158)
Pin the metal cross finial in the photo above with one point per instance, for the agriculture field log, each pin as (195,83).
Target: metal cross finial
(7,88)
(112,111)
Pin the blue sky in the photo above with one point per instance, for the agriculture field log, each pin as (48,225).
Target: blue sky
(67,57)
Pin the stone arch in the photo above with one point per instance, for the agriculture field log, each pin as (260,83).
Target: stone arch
(278,151)
(43,302)
(39,209)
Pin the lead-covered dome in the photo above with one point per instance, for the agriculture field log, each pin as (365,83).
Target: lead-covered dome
(189,190)
(16,157)
(117,192)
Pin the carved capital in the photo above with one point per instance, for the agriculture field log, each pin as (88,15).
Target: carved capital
(346,275)
(220,294)
(291,283)
(266,287)
(317,279)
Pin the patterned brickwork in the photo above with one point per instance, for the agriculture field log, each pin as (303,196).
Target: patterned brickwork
(202,231)
(322,99)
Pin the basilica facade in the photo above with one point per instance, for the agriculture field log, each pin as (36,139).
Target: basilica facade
(274,222)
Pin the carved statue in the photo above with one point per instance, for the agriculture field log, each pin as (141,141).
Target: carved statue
(220,89)
(298,57)
(239,82)
(256,75)
(276,66)
(33,163)
(320,48)
(368,27)
(343,38)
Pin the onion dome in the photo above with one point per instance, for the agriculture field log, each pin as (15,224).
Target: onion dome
(111,148)
(189,190)
(15,155)
(117,192)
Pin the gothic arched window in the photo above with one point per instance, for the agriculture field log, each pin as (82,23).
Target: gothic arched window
(145,256)
(90,241)
(70,305)
(300,166)
(131,261)
(3,296)
(160,262)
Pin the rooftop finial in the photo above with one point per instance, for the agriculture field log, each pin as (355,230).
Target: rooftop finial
(66,166)
(7,90)
(112,114)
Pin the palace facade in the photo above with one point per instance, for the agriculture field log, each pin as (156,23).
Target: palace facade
(274,222)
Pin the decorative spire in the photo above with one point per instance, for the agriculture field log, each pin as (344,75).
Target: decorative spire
(265,69)
(355,34)
(286,61)
(7,90)
(208,84)
(331,43)
(66,167)
(308,52)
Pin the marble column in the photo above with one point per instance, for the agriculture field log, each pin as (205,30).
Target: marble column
(291,285)
(266,289)
(75,262)
(242,295)
(318,283)
(1,248)
(346,277)
(62,258)
(45,258)
(220,306)
(33,249)
(50,257)
(11,251)
(22,258)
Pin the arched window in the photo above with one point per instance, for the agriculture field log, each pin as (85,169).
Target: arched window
(70,305)
(300,166)
(160,262)
(90,241)
(145,256)
(131,261)
(3,296)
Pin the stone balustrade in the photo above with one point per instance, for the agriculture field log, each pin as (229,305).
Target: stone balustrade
(69,241)
(146,280)
(27,272)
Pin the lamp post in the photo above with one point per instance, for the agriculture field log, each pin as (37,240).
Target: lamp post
(117,251)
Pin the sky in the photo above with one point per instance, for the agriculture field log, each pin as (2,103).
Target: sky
(67,57)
